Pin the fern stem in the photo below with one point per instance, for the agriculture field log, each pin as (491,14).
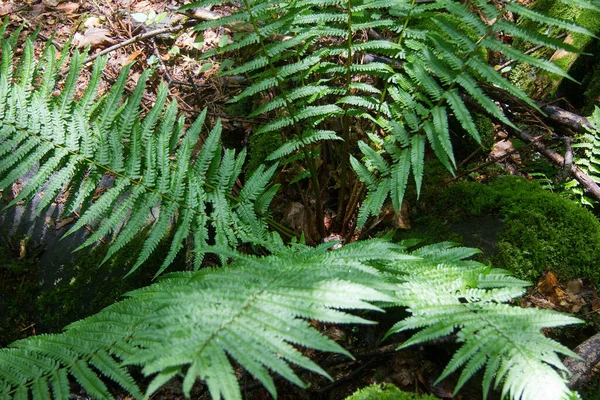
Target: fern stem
(346,120)
(290,109)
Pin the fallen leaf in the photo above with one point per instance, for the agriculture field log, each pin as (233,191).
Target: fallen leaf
(574,287)
(68,8)
(133,56)
(50,3)
(5,9)
(548,284)
(93,37)
(64,222)
(92,22)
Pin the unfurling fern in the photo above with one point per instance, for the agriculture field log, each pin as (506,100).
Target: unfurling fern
(253,311)
(409,86)
(158,181)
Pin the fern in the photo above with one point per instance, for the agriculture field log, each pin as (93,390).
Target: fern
(254,309)
(422,91)
(589,157)
(74,144)
(448,294)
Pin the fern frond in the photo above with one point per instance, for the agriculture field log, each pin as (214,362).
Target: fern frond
(253,311)
(448,294)
(69,147)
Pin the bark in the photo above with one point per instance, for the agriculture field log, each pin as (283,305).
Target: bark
(588,184)
(562,118)
(582,370)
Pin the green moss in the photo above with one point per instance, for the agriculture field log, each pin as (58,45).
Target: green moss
(540,84)
(592,91)
(261,146)
(386,391)
(541,230)
(484,126)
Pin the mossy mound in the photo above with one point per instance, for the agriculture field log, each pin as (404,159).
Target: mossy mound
(386,391)
(540,230)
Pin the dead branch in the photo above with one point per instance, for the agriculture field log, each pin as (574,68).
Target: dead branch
(564,118)
(136,38)
(583,370)
(584,180)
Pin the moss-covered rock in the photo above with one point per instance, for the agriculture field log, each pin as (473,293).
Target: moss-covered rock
(386,391)
(537,230)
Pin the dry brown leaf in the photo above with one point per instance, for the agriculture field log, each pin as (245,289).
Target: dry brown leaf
(93,37)
(548,284)
(92,22)
(50,3)
(574,288)
(68,8)
(141,6)
(64,222)
(132,57)
(5,9)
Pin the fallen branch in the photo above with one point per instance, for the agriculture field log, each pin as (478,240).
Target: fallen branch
(582,370)
(584,180)
(564,118)
(136,38)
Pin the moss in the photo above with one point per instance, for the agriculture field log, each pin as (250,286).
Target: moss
(540,231)
(386,391)
(261,146)
(540,84)
(484,126)
(592,91)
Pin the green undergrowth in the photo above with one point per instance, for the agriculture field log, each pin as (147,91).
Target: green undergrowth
(387,391)
(534,230)
(542,84)
(18,285)
(92,288)
(84,289)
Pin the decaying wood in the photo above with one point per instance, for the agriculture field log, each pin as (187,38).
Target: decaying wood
(564,118)
(582,370)
(588,184)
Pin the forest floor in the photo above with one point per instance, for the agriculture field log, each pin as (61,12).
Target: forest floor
(163,39)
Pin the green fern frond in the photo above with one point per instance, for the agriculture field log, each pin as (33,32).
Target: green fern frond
(448,294)
(66,146)
(253,311)
(308,137)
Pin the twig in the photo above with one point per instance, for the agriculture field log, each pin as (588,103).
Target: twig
(161,62)
(588,183)
(568,164)
(134,39)
(481,166)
